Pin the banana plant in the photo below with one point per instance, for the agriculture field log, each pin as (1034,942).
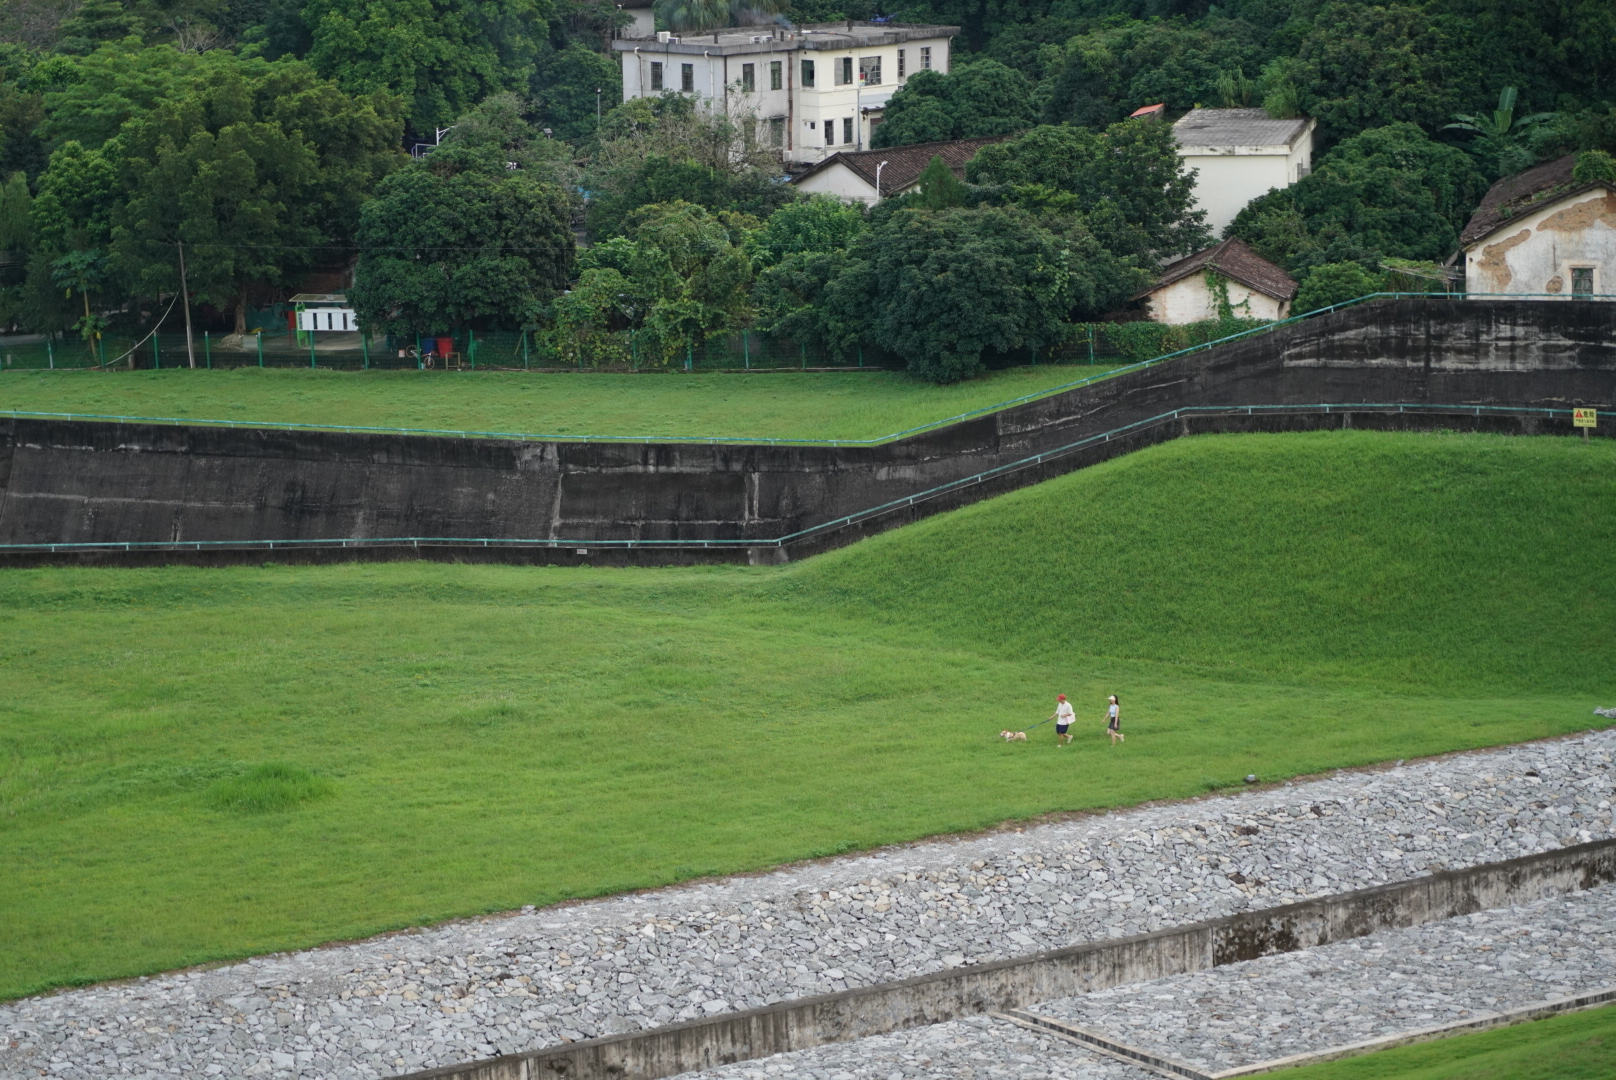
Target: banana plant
(1499,139)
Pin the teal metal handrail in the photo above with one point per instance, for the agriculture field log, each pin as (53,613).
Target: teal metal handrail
(714,440)
(584,546)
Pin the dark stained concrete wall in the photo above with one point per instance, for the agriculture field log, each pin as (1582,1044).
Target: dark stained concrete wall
(78,482)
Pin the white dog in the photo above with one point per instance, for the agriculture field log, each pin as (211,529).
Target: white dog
(1013,736)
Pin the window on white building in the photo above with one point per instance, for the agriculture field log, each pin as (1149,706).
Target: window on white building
(900,65)
(808,73)
(748,77)
(776,75)
(870,70)
(1582,281)
(656,75)
(844,71)
(687,78)
(847,135)
(925,58)
(830,133)
(777,131)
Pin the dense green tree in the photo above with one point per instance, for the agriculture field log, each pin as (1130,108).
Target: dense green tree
(939,188)
(815,298)
(21,115)
(255,168)
(448,243)
(564,87)
(441,56)
(1105,74)
(679,276)
(940,287)
(1128,181)
(77,196)
(687,16)
(1333,283)
(976,99)
(1366,65)
(1388,191)
(659,150)
(820,223)
(88,100)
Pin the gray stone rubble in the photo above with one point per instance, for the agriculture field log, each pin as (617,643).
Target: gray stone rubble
(509,983)
(1263,1009)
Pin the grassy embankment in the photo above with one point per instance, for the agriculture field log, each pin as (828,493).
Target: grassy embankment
(1581,1046)
(445,740)
(775,405)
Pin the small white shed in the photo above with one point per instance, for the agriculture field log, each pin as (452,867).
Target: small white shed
(1190,290)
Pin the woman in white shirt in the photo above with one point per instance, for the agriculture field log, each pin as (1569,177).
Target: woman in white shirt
(1113,722)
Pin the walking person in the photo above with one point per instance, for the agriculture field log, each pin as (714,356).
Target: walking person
(1063,717)
(1113,721)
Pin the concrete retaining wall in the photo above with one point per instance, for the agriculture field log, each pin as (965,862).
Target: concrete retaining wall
(1009,984)
(80,482)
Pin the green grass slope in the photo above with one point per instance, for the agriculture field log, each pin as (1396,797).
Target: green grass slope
(775,405)
(1580,1046)
(1450,562)
(199,764)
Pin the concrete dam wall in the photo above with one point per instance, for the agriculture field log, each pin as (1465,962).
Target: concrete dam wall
(213,494)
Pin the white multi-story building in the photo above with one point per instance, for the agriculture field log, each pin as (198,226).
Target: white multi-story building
(815,90)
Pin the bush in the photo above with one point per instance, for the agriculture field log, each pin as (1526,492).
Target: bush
(1333,283)
(266,788)
(1148,340)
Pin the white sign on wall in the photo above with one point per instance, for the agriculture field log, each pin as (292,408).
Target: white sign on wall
(327,319)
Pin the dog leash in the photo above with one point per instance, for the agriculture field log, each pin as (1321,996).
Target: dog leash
(1039,724)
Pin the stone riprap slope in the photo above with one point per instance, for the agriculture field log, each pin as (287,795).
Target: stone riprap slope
(1398,981)
(499,985)
(1242,1014)
(979,1048)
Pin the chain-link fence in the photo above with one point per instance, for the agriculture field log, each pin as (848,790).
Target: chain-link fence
(467,350)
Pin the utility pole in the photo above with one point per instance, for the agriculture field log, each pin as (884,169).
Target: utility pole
(190,345)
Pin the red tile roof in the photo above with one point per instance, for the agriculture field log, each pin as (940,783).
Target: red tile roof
(904,163)
(1521,194)
(1235,261)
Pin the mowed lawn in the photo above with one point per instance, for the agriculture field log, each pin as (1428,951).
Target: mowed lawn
(1580,1046)
(771,405)
(490,737)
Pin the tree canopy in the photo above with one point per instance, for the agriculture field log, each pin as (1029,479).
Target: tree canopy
(450,242)
(976,99)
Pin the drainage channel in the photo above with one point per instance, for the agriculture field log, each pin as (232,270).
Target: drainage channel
(1010,986)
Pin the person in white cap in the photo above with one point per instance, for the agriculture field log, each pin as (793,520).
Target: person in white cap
(1063,720)
(1113,721)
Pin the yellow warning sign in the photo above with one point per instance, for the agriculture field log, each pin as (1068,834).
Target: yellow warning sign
(1584,417)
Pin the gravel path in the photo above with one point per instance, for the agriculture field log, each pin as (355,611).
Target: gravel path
(512,983)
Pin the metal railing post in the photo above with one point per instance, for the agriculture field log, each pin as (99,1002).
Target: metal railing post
(156,354)
(207,350)
(260,337)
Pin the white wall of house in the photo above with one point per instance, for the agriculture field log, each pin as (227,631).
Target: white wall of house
(840,181)
(1565,247)
(1190,299)
(824,96)
(1229,177)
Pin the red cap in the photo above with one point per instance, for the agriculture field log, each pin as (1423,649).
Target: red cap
(1060,697)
